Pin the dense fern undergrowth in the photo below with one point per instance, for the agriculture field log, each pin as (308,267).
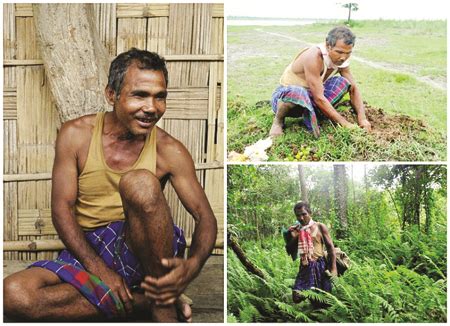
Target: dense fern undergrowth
(397,277)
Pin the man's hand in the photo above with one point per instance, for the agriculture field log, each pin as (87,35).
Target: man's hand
(365,124)
(119,287)
(166,289)
(294,233)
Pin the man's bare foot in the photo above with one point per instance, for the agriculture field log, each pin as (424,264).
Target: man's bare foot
(277,129)
(164,314)
(184,311)
(183,307)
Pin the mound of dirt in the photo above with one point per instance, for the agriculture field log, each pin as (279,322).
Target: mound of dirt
(387,128)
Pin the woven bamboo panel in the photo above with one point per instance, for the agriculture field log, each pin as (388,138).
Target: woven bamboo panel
(190,36)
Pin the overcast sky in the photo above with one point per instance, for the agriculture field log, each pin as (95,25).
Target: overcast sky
(331,9)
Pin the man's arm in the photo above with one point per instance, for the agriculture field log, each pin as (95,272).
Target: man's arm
(356,99)
(330,248)
(184,181)
(64,194)
(312,68)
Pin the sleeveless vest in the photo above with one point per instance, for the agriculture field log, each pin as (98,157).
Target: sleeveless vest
(98,201)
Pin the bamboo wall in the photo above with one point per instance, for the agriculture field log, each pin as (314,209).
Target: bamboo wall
(189,36)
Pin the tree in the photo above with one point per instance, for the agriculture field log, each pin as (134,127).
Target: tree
(303,188)
(340,198)
(351,6)
(415,187)
(75,60)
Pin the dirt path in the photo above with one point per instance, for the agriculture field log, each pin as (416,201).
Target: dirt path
(441,85)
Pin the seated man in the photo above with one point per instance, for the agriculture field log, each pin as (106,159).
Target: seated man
(109,209)
(311,237)
(308,85)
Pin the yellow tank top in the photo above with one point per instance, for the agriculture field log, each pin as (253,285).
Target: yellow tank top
(99,201)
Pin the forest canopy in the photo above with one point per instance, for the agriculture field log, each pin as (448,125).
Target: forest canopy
(389,219)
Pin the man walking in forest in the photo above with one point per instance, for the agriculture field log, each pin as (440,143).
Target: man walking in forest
(309,87)
(309,239)
(124,254)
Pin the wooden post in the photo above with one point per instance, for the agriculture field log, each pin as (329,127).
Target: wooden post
(76,63)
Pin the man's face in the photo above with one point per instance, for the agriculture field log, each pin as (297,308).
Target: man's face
(142,100)
(340,52)
(302,216)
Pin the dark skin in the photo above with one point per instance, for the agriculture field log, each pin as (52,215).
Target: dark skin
(304,217)
(309,66)
(141,103)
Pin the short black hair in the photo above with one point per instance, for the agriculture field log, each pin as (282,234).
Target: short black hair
(143,59)
(340,33)
(301,204)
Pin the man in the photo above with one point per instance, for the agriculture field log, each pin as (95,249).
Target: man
(308,86)
(310,238)
(109,210)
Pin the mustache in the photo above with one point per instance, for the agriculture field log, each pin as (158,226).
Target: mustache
(148,115)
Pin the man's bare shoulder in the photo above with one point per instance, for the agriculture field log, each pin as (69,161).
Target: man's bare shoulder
(171,152)
(311,58)
(77,131)
(322,227)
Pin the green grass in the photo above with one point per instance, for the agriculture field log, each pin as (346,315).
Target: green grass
(257,58)
(334,144)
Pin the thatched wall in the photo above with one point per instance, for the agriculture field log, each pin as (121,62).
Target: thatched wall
(190,36)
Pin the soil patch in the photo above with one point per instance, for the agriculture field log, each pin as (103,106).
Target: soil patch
(387,128)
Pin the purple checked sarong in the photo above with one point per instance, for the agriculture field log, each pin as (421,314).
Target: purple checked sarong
(109,243)
(334,88)
(313,275)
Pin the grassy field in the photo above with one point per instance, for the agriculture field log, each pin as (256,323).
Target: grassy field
(410,60)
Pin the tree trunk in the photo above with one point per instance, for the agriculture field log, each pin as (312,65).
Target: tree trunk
(251,268)
(76,63)
(349,12)
(340,195)
(303,188)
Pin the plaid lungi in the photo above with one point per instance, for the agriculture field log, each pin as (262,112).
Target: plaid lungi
(109,243)
(334,88)
(313,275)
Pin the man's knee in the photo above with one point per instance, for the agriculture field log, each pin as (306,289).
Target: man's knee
(18,302)
(140,188)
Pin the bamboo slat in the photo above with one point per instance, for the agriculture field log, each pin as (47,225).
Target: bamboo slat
(36,222)
(9,104)
(217,10)
(26,42)
(125,10)
(157,34)
(106,25)
(131,32)
(168,57)
(24,10)
(142,10)
(9,31)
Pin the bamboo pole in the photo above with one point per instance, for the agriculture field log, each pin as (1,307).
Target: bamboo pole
(55,245)
(47,176)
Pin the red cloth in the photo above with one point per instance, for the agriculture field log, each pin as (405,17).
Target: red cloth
(305,243)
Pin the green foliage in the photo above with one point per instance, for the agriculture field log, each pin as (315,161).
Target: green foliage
(398,274)
(371,291)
